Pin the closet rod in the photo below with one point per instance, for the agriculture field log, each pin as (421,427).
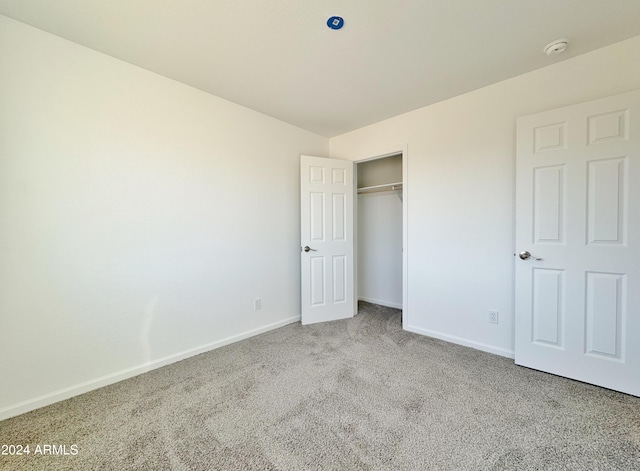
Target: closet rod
(385,187)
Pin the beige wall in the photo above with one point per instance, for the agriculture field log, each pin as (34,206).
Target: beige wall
(139,219)
(461,156)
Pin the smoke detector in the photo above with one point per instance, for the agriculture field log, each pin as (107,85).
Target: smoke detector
(556,47)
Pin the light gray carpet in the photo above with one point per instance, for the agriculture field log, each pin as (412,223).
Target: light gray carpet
(348,395)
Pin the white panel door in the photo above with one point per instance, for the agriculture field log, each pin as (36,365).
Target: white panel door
(326,188)
(578,215)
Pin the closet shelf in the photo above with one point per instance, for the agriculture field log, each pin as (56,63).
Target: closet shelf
(385,187)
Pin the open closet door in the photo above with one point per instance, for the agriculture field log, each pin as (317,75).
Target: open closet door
(327,254)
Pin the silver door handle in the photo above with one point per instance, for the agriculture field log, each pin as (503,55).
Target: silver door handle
(306,248)
(527,256)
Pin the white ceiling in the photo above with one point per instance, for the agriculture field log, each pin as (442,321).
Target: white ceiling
(279,57)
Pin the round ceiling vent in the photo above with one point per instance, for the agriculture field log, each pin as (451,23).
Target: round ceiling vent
(556,47)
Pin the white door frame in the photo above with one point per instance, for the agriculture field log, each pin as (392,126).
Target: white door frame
(375,154)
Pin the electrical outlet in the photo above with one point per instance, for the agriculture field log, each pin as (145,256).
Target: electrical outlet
(257,304)
(494,317)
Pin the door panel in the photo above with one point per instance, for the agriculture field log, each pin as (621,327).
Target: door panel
(578,214)
(548,306)
(604,314)
(606,201)
(548,204)
(326,187)
(339,217)
(339,279)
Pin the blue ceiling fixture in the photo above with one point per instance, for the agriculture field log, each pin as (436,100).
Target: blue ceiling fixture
(335,22)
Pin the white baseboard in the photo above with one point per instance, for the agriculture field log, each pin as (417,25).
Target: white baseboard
(380,302)
(66,393)
(460,341)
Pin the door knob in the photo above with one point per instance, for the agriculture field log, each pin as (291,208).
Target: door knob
(308,249)
(527,256)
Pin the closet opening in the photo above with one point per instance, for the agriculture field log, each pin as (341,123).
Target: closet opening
(380,233)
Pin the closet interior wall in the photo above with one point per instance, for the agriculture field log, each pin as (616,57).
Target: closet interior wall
(379,231)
